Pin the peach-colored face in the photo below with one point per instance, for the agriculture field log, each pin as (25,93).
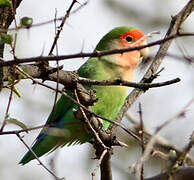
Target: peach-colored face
(131,38)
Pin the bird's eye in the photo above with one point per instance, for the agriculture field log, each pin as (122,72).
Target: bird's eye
(129,38)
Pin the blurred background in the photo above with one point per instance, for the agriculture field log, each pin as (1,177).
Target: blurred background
(83,30)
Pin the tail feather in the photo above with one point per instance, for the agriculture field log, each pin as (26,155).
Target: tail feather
(41,147)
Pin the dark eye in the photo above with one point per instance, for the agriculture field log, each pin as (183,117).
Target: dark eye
(129,38)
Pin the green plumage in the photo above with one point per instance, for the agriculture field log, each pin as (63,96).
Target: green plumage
(106,42)
(63,128)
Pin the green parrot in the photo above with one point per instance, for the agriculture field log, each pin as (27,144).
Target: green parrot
(64,128)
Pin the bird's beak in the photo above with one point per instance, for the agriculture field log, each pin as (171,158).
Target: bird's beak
(145,51)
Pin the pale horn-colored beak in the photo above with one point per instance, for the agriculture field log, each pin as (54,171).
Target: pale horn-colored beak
(144,53)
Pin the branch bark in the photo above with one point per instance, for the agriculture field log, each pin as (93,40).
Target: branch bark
(181,174)
(6,18)
(99,54)
(69,78)
(105,167)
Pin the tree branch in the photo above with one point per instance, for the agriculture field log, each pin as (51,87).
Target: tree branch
(20,138)
(161,145)
(105,167)
(6,18)
(60,28)
(68,79)
(17,61)
(152,140)
(180,174)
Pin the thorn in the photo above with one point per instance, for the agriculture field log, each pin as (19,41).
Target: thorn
(74,110)
(94,158)
(153,76)
(78,2)
(151,33)
(53,70)
(122,144)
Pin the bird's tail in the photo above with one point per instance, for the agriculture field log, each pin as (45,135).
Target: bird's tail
(44,144)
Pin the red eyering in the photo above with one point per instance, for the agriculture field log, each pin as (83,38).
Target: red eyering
(135,33)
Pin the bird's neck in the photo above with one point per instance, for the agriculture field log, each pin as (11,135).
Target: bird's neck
(118,66)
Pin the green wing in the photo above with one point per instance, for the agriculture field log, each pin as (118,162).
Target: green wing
(63,127)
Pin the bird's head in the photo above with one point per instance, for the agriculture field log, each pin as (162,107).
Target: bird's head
(124,37)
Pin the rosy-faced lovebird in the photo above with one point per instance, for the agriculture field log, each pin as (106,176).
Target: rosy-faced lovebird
(110,98)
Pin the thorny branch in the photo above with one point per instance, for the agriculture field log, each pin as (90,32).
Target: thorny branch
(93,127)
(88,124)
(180,174)
(7,15)
(12,12)
(152,140)
(141,133)
(21,139)
(60,28)
(161,146)
(45,22)
(70,78)
(143,86)
(99,163)
(174,170)
(17,61)
(79,104)
(180,158)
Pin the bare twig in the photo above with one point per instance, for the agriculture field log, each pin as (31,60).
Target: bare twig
(35,128)
(93,54)
(179,159)
(102,151)
(105,167)
(18,135)
(52,162)
(91,129)
(68,78)
(99,163)
(45,22)
(83,107)
(141,132)
(161,147)
(180,174)
(143,86)
(186,59)
(57,83)
(60,28)
(13,6)
(13,9)
(8,107)
(152,140)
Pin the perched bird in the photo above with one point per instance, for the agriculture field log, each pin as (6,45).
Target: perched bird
(110,98)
